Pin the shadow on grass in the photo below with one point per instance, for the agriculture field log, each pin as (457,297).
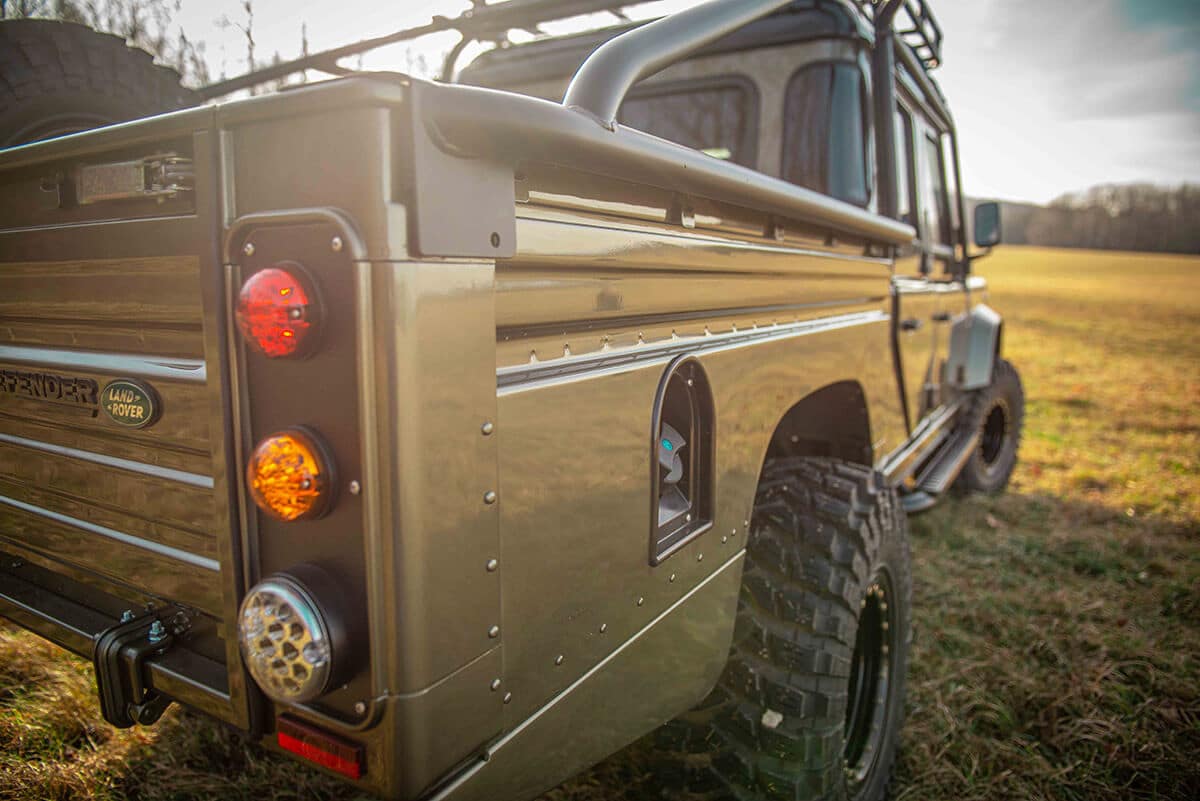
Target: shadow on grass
(1056,657)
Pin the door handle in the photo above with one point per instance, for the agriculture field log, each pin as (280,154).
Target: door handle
(941,317)
(911,324)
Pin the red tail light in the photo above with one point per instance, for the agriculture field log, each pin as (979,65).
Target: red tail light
(328,751)
(278,311)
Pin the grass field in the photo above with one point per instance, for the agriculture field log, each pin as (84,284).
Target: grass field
(1057,651)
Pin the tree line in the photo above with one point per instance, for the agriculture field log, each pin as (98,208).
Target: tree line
(1139,217)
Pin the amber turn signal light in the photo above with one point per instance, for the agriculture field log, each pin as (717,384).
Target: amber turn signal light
(290,476)
(278,311)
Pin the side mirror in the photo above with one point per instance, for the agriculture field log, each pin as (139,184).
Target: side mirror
(987,225)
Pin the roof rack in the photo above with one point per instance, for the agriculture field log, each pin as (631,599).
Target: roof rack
(482,22)
(491,22)
(922,33)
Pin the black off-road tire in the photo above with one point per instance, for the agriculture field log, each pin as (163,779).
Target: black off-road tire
(998,413)
(61,77)
(828,568)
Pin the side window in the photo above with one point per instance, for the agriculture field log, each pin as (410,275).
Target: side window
(952,184)
(935,207)
(826,131)
(718,117)
(905,174)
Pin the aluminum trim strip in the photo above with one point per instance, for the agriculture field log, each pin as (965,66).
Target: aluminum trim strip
(559,216)
(168,473)
(523,376)
(119,536)
(192,371)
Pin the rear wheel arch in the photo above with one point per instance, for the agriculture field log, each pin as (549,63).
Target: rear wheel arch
(833,421)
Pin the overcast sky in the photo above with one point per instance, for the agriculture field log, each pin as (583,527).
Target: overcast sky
(1050,96)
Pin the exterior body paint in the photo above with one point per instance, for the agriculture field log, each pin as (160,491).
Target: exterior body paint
(492,414)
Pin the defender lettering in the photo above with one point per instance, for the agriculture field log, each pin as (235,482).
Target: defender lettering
(49,387)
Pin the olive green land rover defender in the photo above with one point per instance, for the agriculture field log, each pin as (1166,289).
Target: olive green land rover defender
(452,435)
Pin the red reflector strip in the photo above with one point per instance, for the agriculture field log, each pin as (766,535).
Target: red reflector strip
(321,748)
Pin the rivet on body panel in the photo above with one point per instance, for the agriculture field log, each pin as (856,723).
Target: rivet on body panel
(355,488)
(360,708)
(248,249)
(672,578)
(507,697)
(487,428)
(489,496)
(558,660)
(641,601)
(494,632)
(495,684)
(336,244)
(492,564)
(699,557)
(603,627)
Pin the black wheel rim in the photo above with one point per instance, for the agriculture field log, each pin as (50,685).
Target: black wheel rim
(870,682)
(994,433)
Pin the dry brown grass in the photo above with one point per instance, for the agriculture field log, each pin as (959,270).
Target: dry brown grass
(1058,625)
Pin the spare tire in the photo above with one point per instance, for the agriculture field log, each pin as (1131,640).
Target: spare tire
(61,77)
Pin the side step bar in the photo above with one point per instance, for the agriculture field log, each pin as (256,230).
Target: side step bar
(937,476)
(933,432)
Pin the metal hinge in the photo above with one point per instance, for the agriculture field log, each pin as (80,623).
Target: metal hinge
(160,176)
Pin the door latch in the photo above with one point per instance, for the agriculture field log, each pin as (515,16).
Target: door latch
(160,176)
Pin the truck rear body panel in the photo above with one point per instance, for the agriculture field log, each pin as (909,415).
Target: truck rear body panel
(490,416)
(99,516)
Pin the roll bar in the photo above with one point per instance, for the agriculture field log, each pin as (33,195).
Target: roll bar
(602,82)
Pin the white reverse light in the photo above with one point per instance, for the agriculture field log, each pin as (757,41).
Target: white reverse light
(286,643)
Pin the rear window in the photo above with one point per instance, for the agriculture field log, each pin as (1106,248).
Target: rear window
(718,117)
(826,131)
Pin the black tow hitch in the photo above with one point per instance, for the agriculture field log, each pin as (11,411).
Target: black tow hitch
(119,655)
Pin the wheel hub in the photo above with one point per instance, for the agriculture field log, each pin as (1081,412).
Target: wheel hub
(870,683)
(994,433)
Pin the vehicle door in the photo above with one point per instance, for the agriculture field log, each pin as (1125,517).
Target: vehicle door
(916,298)
(943,245)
